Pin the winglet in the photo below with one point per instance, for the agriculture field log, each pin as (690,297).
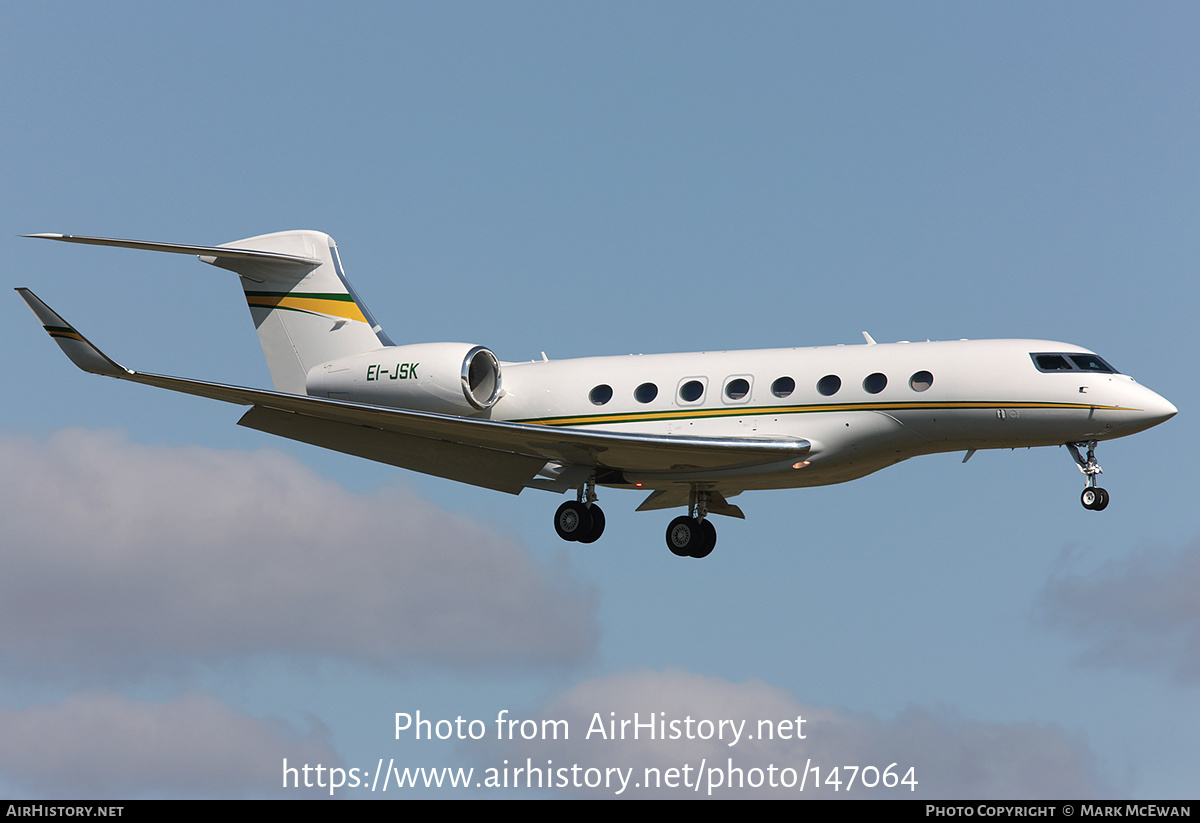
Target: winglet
(74,345)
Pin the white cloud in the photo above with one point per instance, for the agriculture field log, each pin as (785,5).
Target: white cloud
(1139,613)
(951,757)
(105,746)
(122,557)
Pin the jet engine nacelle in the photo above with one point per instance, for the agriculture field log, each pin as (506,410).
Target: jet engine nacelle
(448,378)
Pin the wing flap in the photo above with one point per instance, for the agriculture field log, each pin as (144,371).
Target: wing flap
(677,496)
(491,469)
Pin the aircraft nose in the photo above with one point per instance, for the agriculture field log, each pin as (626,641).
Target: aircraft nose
(1163,411)
(1155,409)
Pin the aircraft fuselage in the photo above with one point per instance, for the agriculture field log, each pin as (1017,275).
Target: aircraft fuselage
(862,407)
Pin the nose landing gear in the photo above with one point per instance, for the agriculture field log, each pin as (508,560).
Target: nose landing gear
(1093,497)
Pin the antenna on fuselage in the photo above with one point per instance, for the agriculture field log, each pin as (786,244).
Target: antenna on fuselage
(870,340)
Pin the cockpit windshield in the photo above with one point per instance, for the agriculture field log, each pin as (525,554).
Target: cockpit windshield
(1070,361)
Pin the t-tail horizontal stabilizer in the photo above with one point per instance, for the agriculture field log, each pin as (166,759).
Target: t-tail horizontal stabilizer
(209,254)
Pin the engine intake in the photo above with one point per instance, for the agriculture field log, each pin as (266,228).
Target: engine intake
(448,378)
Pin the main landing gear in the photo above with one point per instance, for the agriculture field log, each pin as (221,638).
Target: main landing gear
(1093,497)
(693,535)
(580,520)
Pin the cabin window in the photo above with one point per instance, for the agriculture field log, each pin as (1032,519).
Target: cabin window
(783,387)
(737,389)
(601,394)
(691,391)
(875,383)
(829,385)
(645,392)
(921,381)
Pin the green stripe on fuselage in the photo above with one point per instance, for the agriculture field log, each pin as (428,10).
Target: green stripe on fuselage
(749,411)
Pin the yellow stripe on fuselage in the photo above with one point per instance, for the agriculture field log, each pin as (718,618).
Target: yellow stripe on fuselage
(748,411)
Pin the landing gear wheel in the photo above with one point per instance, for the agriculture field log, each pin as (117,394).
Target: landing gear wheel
(689,537)
(573,521)
(709,535)
(597,529)
(683,536)
(1094,498)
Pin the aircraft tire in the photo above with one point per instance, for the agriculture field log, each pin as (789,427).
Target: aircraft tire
(1094,499)
(709,534)
(572,520)
(597,529)
(684,536)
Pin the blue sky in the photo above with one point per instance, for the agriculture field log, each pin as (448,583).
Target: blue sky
(186,602)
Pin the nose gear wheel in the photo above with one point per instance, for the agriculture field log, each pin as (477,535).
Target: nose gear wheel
(1093,498)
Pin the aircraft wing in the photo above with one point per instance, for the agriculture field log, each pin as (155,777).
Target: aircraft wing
(495,454)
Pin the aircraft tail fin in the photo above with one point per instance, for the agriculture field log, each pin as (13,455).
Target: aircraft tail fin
(305,311)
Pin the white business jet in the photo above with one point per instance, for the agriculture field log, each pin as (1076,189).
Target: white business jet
(692,429)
